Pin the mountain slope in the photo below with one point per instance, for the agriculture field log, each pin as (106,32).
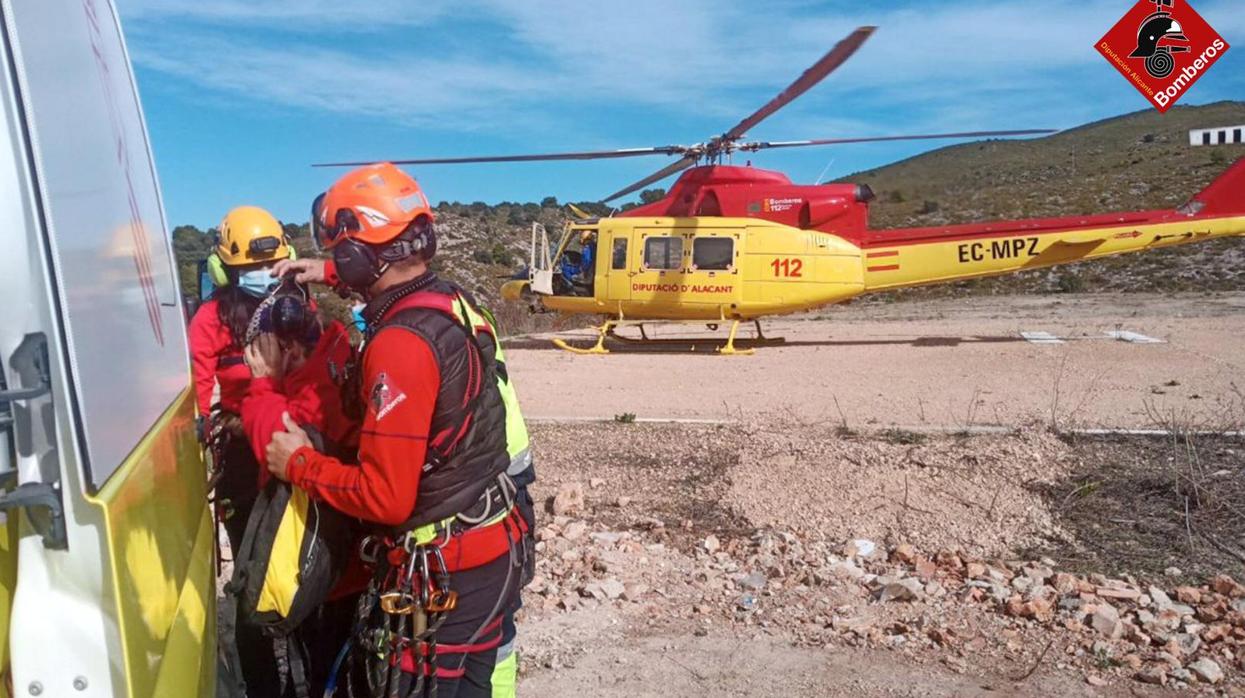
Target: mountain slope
(1136,161)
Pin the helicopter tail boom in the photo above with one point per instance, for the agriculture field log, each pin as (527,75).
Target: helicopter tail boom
(914,256)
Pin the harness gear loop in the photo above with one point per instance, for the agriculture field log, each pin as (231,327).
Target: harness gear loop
(505,488)
(412,541)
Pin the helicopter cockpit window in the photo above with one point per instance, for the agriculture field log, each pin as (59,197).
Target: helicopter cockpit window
(713,254)
(663,253)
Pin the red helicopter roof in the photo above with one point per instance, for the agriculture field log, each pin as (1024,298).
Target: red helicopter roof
(752,192)
(681,199)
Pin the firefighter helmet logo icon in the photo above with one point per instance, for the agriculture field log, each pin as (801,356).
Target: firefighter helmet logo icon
(1162,47)
(1157,39)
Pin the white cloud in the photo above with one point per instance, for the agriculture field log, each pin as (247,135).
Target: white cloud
(415,90)
(325,16)
(972,64)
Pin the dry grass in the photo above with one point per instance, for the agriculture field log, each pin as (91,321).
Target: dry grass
(1139,505)
(1137,161)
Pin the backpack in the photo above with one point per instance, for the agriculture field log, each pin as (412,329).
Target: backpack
(290,559)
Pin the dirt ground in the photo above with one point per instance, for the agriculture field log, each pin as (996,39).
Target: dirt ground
(715,559)
(654,495)
(944,363)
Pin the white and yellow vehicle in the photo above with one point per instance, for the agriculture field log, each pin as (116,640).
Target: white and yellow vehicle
(106,542)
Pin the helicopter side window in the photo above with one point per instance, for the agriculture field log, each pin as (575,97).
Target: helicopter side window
(713,254)
(619,260)
(663,253)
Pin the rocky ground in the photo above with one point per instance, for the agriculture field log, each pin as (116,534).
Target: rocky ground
(697,558)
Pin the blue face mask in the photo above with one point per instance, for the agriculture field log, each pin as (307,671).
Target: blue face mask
(257,283)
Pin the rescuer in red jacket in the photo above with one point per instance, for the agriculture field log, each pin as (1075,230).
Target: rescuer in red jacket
(432,447)
(250,242)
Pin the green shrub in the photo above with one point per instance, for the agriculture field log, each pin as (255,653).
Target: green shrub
(1069,283)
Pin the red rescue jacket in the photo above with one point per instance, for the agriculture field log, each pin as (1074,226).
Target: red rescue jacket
(215,358)
(309,393)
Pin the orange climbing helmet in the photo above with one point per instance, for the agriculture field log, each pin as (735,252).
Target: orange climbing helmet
(372,204)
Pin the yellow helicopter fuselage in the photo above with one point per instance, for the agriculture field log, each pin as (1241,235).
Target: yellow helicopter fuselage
(717,268)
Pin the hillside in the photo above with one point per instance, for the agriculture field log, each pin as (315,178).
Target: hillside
(478,245)
(1136,161)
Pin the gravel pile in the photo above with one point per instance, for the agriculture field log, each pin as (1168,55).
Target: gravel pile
(949,606)
(666,530)
(971,493)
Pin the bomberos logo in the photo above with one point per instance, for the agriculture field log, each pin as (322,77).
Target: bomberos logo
(1162,47)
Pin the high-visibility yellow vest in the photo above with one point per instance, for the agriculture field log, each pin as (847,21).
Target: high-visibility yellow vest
(518,444)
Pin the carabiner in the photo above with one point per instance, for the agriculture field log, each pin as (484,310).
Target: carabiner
(442,572)
(409,543)
(369,549)
(425,582)
(412,561)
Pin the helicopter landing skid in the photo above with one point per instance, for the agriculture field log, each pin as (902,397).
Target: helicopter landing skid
(608,330)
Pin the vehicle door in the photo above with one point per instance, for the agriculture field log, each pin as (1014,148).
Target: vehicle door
(659,264)
(616,263)
(713,271)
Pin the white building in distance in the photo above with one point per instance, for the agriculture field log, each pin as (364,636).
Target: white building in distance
(1217,136)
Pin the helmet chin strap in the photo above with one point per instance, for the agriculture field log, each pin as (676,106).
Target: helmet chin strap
(380,271)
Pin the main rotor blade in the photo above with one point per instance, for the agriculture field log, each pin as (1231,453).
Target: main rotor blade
(828,63)
(677,166)
(584,155)
(762,145)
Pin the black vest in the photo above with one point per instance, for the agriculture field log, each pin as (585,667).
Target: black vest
(467,439)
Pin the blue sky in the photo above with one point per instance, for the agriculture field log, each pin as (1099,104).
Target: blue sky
(242,95)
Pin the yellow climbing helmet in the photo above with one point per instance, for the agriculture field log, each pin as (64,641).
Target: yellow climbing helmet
(250,235)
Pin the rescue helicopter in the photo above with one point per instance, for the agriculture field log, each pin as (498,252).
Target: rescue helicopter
(733,244)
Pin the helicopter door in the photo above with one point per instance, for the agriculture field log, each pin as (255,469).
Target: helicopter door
(658,264)
(617,274)
(713,272)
